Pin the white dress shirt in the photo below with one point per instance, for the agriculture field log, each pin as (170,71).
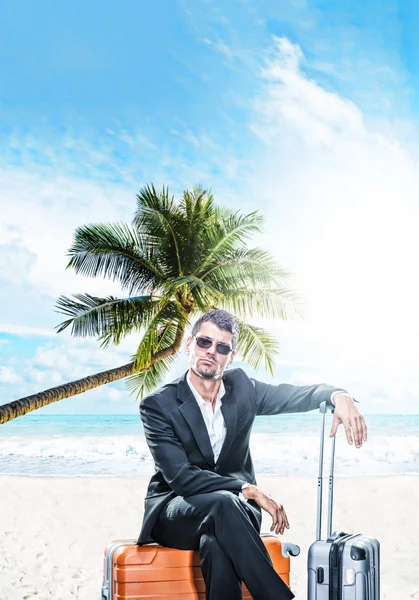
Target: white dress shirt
(214,419)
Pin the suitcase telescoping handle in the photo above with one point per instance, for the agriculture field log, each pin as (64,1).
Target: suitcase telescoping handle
(323,411)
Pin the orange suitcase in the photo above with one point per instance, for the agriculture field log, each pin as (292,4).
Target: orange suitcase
(152,572)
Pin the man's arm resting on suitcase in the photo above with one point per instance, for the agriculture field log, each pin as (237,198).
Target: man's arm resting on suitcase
(170,457)
(345,412)
(287,398)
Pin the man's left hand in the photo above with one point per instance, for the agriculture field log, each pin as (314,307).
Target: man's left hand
(347,413)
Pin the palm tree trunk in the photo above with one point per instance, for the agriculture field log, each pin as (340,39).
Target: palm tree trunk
(20,407)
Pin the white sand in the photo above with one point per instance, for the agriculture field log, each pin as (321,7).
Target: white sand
(53,530)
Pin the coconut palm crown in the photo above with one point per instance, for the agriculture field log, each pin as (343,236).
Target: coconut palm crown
(176,261)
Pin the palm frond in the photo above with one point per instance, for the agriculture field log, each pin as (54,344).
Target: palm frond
(198,208)
(279,302)
(115,251)
(250,265)
(256,345)
(161,332)
(229,230)
(150,377)
(202,293)
(158,215)
(109,318)
(194,204)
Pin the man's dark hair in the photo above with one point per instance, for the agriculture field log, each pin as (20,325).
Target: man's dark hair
(223,320)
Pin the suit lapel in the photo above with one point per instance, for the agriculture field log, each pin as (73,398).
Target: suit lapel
(192,415)
(229,410)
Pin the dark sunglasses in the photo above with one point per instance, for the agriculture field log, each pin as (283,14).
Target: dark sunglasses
(205,342)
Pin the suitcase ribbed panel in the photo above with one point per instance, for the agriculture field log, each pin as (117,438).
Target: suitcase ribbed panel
(154,573)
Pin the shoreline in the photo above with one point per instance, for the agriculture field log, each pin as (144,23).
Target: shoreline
(147,477)
(53,530)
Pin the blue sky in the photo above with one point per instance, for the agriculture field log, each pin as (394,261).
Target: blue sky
(305,110)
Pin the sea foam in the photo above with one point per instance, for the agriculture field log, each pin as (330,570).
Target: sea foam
(275,454)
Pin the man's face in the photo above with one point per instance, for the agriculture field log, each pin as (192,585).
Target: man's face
(207,362)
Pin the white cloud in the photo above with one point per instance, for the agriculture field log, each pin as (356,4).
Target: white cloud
(46,204)
(8,375)
(136,140)
(292,101)
(115,395)
(15,263)
(221,46)
(43,212)
(342,213)
(22,330)
(73,358)
(64,360)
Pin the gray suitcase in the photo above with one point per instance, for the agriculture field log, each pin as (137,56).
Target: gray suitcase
(344,566)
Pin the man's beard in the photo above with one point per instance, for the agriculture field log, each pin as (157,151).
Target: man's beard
(205,372)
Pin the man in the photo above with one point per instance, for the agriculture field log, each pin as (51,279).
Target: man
(203,494)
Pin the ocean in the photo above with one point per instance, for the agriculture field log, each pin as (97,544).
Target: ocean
(114,446)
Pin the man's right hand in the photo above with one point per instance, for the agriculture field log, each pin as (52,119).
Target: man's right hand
(265,501)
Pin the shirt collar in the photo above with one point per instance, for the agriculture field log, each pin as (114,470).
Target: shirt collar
(197,395)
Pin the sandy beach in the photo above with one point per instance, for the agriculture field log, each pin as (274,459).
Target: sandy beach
(53,530)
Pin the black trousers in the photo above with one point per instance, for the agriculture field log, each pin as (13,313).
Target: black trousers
(225,530)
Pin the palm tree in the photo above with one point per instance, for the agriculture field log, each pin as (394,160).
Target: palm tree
(174,262)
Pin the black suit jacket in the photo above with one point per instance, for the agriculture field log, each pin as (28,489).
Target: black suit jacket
(178,440)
